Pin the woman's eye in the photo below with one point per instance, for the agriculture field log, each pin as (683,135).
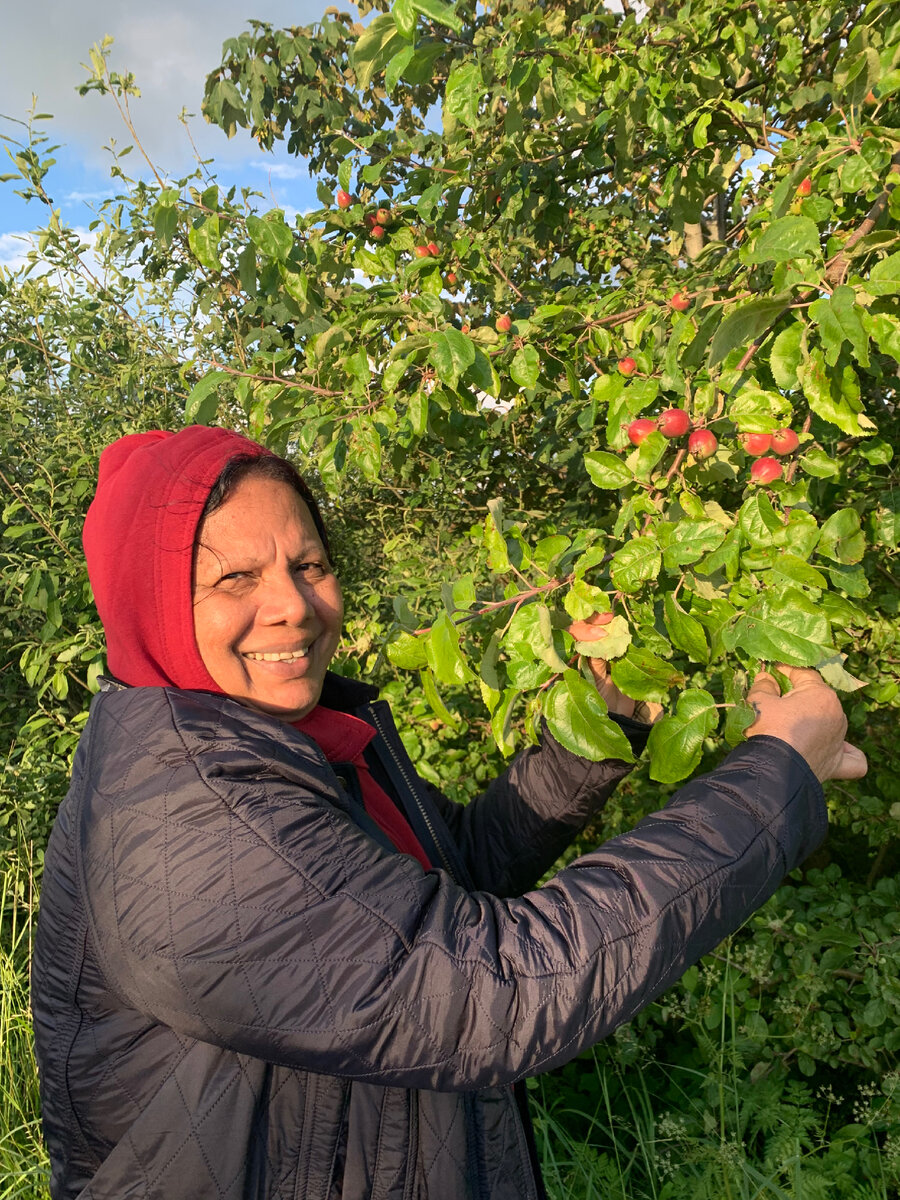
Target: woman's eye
(312,571)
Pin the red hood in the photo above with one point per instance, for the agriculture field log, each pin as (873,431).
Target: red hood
(138,541)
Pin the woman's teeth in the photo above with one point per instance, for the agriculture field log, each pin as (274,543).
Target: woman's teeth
(281,656)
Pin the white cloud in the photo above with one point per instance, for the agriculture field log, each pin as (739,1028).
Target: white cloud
(14,249)
(169,48)
(279,170)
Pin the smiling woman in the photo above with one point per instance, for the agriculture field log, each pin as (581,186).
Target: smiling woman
(271,962)
(267,604)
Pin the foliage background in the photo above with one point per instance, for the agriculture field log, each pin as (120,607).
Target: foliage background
(573,169)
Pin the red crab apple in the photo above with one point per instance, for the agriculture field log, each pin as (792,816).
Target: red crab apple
(703,444)
(450,279)
(681,301)
(377,232)
(765,470)
(369,221)
(344,199)
(804,187)
(627,366)
(784,441)
(756,443)
(640,429)
(674,422)
(433,249)
(383,217)
(420,251)
(503,324)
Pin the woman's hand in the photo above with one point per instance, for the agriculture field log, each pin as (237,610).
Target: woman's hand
(809,717)
(591,630)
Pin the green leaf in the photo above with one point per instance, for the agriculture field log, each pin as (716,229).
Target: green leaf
(463,92)
(651,450)
(786,240)
(826,401)
(407,651)
(203,239)
(501,721)
(691,540)
(838,318)
(203,399)
(785,356)
(783,626)
(884,278)
(452,353)
(685,631)
(606,470)
(438,707)
(577,717)
(758,520)
(615,641)
(440,13)
(271,235)
(819,464)
(790,568)
(525,367)
(642,675)
(634,563)
(745,324)
(378,43)
(404,14)
(676,741)
(443,653)
(841,537)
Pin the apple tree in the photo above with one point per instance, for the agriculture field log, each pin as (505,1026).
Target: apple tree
(615,294)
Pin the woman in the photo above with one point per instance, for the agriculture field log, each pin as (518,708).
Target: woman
(271,962)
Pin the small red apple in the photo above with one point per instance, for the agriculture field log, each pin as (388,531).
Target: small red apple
(466,328)
(344,199)
(627,366)
(784,441)
(383,217)
(420,251)
(433,249)
(503,324)
(804,187)
(674,422)
(377,232)
(640,429)
(703,444)
(765,470)
(369,221)
(681,301)
(756,443)
(450,279)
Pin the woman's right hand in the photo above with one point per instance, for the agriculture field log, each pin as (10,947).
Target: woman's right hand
(809,717)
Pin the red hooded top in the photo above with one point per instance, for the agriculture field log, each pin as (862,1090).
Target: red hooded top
(139,543)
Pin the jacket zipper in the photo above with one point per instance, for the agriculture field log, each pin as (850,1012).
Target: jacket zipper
(423,812)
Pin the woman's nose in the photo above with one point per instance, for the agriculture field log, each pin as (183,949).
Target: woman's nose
(286,599)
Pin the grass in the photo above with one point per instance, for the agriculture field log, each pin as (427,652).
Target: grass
(24,1167)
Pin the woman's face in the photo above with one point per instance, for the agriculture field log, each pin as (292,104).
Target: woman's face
(267,605)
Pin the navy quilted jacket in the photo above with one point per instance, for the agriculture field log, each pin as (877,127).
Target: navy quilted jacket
(241,991)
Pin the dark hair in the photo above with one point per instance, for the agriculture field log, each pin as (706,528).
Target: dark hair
(262,466)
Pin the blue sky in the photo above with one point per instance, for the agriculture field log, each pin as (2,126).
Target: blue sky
(169,46)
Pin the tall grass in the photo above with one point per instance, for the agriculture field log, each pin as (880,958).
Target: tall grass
(24,1168)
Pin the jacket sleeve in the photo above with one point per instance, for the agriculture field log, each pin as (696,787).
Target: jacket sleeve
(514,832)
(232,899)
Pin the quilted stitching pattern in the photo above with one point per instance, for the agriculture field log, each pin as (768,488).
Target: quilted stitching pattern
(233,900)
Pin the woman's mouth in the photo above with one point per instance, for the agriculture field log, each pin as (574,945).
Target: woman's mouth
(276,655)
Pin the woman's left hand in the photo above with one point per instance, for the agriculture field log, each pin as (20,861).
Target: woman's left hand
(591,630)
